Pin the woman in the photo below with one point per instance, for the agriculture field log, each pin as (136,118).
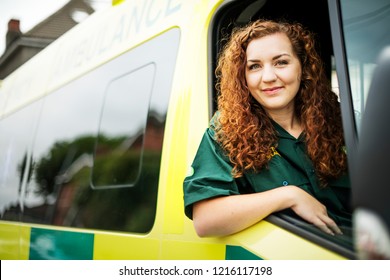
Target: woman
(276,142)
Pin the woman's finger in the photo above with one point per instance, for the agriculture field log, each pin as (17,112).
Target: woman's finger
(332,225)
(327,225)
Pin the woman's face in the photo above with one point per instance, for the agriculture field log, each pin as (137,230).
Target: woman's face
(273,72)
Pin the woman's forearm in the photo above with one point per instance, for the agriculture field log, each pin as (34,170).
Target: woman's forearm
(229,214)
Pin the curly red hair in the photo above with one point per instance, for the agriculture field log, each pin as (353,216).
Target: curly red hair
(244,129)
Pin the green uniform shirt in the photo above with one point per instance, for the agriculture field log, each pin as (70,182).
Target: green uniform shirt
(210,176)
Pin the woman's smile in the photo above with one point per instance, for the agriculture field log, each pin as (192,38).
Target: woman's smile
(272,90)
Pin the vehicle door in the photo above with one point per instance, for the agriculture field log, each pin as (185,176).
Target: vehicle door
(361,41)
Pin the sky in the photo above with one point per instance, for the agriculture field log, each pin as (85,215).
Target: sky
(30,13)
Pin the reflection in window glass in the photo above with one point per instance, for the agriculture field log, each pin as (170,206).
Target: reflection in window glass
(366,34)
(95,124)
(119,146)
(15,160)
(334,80)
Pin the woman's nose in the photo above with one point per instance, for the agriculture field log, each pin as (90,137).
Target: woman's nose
(269,74)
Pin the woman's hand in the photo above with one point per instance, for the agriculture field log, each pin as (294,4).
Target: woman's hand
(314,212)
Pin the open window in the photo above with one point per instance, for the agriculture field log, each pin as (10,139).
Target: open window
(238,13)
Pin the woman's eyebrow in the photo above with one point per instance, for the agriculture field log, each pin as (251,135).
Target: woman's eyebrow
(253,60)
(274,58)
(281,55)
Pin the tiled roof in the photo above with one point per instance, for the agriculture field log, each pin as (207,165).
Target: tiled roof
(60,22)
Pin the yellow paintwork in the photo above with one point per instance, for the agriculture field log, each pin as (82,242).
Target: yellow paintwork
(117,2)
(14,241)
(187,250)
(119,247)
(272,242)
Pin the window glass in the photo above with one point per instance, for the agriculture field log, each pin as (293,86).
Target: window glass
(15,162)
(110,123)
(366,34)
(118,152)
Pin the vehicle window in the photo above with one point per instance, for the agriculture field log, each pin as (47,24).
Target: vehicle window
(116,111)
(365,34)
(120,141)
(15,162)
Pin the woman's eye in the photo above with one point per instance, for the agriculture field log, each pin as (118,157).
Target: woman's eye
(281,62)
(253,66)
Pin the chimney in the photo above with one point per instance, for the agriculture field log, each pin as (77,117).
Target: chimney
(13,31)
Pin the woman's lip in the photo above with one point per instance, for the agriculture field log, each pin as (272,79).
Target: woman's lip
(271,90)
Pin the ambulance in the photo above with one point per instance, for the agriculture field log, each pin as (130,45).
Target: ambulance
(99,129)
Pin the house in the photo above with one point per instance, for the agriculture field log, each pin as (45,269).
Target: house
(20,47)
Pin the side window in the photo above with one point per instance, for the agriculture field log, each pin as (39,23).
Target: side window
(365,36)
(120,142)
(17,132)
(96,156)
